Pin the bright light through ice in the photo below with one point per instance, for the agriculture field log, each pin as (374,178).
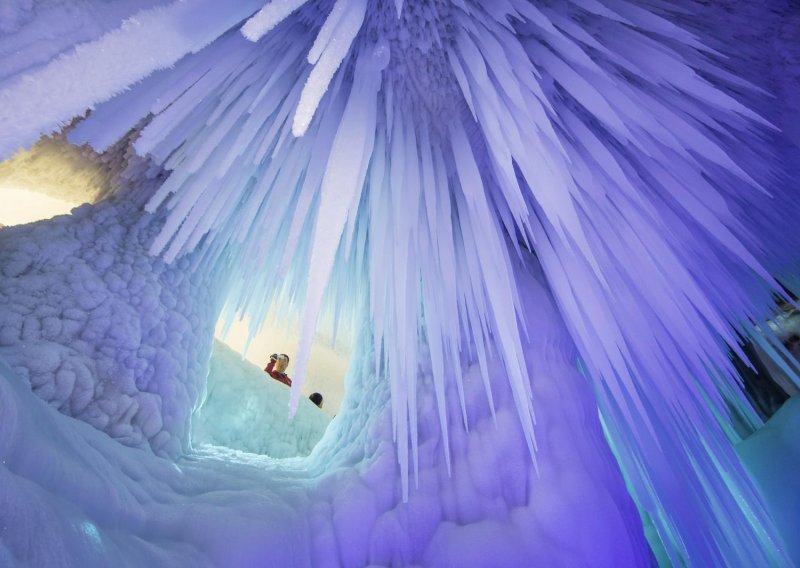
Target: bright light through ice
(19,206)
(326,366)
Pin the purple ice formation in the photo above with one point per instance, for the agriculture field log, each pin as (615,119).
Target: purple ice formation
(547,222)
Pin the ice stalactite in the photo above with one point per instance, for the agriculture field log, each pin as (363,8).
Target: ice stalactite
(414,150)
(161,36)
(490,505)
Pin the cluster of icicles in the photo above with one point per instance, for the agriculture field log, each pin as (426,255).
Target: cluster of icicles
(293,157)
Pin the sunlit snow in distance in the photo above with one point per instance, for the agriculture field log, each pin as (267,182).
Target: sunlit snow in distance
(19,206)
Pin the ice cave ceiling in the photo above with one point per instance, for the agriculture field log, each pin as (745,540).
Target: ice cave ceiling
(555,231)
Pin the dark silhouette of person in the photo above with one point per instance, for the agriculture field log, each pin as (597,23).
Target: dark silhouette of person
(277,368)
(316,398)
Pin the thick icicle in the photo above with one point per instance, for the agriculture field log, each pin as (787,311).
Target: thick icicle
(328,63)
(339,191)
(272,14)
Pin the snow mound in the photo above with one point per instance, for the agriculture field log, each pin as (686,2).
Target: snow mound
(71,496)
(245,409)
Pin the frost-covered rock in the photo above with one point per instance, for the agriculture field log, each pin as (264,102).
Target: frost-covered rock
(245,409)
(103,331)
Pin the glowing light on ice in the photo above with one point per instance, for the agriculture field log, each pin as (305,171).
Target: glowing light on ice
(327,363)
(91,532)
(18,206)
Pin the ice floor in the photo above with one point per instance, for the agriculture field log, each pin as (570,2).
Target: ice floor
(102,502)
(71,496)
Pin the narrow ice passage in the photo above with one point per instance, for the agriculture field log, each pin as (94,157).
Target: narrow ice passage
(556,229)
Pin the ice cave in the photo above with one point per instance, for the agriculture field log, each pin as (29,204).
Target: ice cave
(539,256)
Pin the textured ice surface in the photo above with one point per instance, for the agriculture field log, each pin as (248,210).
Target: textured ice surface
(101,330)
(157,34)
(246,409)
(33,33)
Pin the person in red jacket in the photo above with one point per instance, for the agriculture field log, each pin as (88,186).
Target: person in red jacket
(277,368)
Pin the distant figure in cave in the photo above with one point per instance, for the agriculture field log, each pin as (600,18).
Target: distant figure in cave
(316,398)
(277,368)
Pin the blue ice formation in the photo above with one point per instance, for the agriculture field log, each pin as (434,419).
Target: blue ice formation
(455,180)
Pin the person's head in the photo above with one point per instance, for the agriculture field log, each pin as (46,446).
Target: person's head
(281,363)
(316,398)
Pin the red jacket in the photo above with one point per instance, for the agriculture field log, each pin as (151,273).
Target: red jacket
(282,377)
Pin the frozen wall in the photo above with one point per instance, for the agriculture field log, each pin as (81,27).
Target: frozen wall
(246,409)
(103,331)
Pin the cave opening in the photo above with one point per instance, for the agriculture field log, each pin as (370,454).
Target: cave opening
(241,407)
(244,408)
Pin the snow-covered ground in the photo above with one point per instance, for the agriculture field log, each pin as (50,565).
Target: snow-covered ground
(246,409)
(327,362)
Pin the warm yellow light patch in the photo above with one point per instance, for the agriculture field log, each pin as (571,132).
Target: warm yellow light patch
(48,180)
(58,169)
(19,206)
